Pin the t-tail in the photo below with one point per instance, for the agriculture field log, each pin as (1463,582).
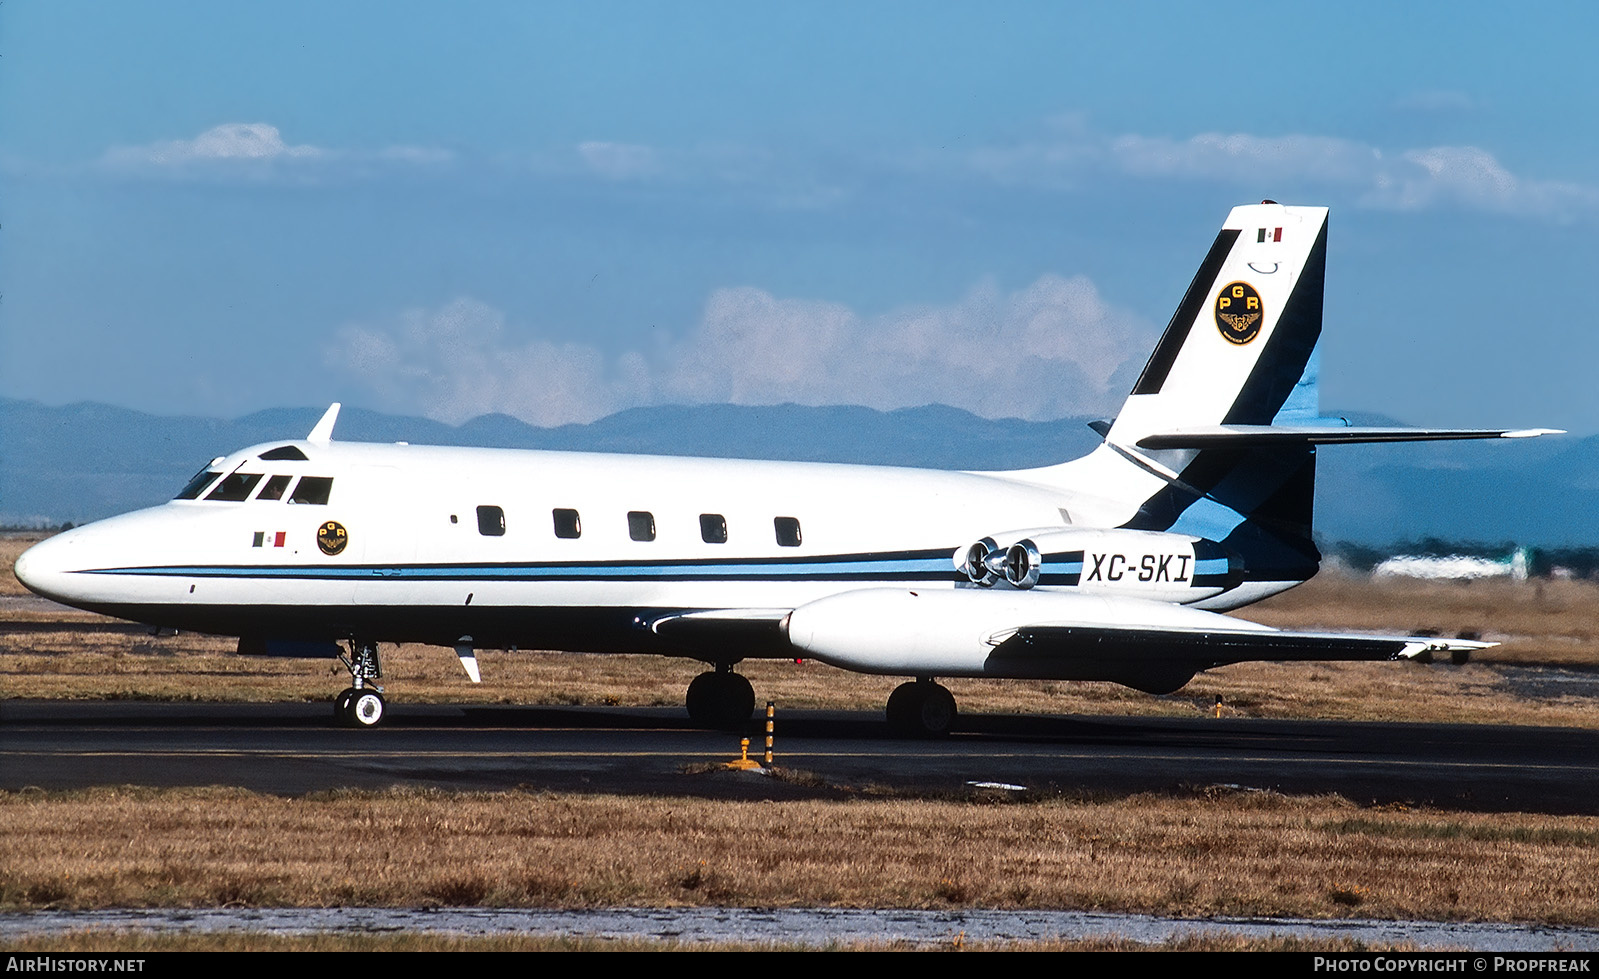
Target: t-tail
(1218,437)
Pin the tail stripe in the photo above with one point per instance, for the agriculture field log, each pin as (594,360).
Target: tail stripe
(1171,342)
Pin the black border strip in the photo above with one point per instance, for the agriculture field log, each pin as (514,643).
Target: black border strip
(1160,362)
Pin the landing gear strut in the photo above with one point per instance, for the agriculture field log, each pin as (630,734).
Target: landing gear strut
(921,709)
(721,698)
(362,703)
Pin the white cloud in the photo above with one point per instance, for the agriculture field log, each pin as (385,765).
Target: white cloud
(455,363)
(1241,156)
(229,141)
(1468,177)
(1052,349)
(619,161)
(258,150)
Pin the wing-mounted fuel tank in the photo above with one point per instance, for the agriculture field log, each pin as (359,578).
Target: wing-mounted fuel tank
(1146,564)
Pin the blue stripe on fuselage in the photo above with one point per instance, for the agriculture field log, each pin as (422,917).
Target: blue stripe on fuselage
(924,565)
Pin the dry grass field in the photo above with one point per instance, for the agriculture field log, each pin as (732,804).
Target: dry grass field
(1209,854)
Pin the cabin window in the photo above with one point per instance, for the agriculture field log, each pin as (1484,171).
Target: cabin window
(491,521)
(567,524)
(788,531)
(312,489)
(641,525)
(282,453)
(234,487)
(713,528)
(201,480)
(273,490)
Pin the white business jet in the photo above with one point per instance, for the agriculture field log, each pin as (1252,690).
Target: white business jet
(1115,566)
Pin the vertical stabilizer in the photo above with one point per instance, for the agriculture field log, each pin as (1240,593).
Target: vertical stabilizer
(1240,349)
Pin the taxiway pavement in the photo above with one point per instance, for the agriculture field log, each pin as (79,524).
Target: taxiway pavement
(297,748)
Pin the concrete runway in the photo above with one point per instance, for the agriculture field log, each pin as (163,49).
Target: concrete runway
(296,748)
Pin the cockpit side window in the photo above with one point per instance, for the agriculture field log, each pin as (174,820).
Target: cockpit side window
(235,487)
(201,480)
(312,489)
(273,490)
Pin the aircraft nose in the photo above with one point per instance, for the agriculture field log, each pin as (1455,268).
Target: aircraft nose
(40,566)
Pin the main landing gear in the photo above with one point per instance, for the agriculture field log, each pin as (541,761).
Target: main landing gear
(361,704)
(921,709)
(720,698)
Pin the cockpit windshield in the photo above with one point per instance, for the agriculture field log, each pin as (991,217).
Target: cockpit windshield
(235,487)
(202,479)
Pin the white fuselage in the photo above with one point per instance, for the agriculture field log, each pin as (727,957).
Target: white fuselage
(541,549)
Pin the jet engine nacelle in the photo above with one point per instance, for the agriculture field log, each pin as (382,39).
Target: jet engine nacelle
(1148,564)
(959,632)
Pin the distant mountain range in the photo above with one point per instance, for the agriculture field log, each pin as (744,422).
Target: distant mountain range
(85,461)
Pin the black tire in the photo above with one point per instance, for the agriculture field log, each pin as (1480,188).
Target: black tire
(937,713)
(341,705)
(721,700)
(921,709)
(901,710)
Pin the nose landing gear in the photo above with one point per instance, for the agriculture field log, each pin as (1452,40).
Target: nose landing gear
(362,703)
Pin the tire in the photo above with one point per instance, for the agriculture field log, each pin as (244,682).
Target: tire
(937,711)
(367,709)
(341,705)
(721,700)
(921,709)
(901,710)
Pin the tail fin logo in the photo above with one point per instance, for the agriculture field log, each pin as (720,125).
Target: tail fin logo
(1239,312)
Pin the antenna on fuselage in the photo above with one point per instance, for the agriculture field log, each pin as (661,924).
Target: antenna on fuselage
(322,434)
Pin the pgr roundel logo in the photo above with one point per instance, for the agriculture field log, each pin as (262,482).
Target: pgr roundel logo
(332,537)
(1239,312)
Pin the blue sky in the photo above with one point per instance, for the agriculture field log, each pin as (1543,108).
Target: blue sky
(558,211)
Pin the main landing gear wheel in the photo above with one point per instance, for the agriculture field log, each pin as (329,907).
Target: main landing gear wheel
(720,699)
(921,709)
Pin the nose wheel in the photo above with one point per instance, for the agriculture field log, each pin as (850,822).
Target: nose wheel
(366,708)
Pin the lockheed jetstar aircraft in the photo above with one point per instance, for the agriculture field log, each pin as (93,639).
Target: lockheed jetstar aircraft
(1116,566)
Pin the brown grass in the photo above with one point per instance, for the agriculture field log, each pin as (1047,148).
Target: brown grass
(1221,854)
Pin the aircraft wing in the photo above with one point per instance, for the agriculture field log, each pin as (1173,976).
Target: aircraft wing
(1150,646)
(1215,647)
(1139,655)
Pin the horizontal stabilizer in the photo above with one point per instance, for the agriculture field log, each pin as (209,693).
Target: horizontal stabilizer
(1242,436)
